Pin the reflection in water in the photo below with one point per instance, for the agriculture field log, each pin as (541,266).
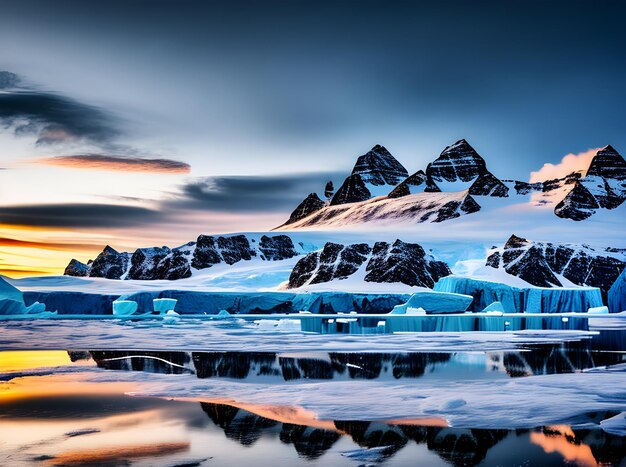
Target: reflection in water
(541,360)
(52,419)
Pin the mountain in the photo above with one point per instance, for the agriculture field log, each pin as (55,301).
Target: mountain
(552,265)
(374,174)
(458,168)
(410,209)
(456,183)
(163,263)
(603,186)
(384,262)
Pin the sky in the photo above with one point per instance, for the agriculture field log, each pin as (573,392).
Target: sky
(148,122)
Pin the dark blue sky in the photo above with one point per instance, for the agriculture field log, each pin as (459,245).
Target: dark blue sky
(240,88)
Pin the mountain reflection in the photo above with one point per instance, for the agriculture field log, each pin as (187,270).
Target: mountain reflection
(547,359)
(456,446)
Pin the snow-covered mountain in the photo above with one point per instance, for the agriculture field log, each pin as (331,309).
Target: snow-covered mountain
(457,183)
(163,263)
(556,265)
(397,262)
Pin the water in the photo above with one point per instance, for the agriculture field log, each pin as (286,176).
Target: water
(107,393)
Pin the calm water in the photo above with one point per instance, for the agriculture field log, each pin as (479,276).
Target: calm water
(524,403)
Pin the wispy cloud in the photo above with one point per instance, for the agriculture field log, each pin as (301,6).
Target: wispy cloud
(252,193)
(54,118)
(116,163)
(570,163)
(13,242)
(78,215)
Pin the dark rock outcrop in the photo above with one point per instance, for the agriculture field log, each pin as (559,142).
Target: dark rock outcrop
(461,163)
(400,262)
(110,264)
(406,263)
(145,261)
(163,263)
(377,168)
(311,204)
(352,190)
(454,209)
(413,184)
(277,247)
(539,263)
(76,269)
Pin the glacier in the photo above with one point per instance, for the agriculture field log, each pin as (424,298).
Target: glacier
(617,294)
(522,299)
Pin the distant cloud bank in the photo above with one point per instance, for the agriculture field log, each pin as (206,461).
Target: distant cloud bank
(116,163)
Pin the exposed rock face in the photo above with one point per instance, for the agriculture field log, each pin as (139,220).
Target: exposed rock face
(454,209)
(352,190)
(461,163)
(604,186)
(379,167)
(144,262)
(539,263)
(406,263)
(163,263)
(400,262)
(277,247)
(411,185)
(371,173)
(235,249)
(334,261)
(311,204)
(110,264)
(76,269)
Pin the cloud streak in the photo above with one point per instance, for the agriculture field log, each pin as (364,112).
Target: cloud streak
(116,163)
(13,242)
(55,118)
(252,193)
(78,215)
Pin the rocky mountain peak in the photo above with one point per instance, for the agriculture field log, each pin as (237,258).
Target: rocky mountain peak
(608,163)
(309,205)
(379,167)
(516,242)
(457,162)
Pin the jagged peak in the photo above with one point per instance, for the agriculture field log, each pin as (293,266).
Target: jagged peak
(109,250)
(516,242)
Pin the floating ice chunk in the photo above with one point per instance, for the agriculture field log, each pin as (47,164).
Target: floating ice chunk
(615,425)
(163,305)
(495,306)
(124,307)
(599,310)
(223,314)
(171,317)
(415,311)
(434,302)
(12,302)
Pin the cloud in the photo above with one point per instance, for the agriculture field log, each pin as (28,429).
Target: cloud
(116,163)
(570,163)
(9,80)
(78,215)
(13,242)
(55,118)
(252,193)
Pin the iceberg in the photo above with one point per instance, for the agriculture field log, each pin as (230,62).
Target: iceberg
(617,294)
(599,310)
(163,305)
(12,302)
(435,302)
(124,307)
(495,306)
(527,299)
